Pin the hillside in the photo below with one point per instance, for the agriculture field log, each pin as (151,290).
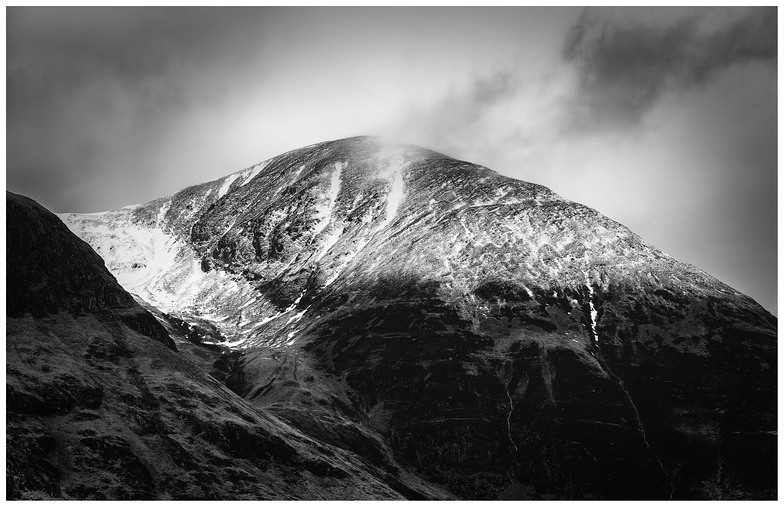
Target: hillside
(482,332)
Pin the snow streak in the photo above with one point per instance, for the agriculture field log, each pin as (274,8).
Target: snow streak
(324,211)
(396,193)
(227,183)
(590,303)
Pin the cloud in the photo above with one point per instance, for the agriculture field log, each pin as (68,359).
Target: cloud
(458,114)
(487,91)
(625,64)
(695,177)
(94,94)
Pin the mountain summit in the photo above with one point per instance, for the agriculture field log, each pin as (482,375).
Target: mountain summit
(477,331)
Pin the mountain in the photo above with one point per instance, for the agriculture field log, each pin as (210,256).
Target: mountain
(477,331)
(102,404)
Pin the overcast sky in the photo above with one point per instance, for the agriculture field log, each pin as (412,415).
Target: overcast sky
(663,119)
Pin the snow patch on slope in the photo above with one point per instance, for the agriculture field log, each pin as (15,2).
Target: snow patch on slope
(394,168)
(227,183)
(138,257)
(395,197)
(296,317)
(162,214)
(329,243)
(324,210)
(594,313)
(162,269)
(251,172)
(394,171)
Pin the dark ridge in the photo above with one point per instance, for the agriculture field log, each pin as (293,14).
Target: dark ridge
(50,270)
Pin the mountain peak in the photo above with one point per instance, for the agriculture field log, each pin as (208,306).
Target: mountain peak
(346,213)
(391,274)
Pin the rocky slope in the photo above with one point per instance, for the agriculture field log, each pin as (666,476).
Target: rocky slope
(482,332)
(53,271)
(100,404)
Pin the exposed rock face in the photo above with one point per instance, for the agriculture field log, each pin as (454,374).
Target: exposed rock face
(101,405)
(482,332)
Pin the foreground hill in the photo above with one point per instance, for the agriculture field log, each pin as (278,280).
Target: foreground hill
(482,332)
(102,405)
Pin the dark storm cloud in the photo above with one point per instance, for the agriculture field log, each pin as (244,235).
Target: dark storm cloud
(626,65)
(72,45)
(89,90)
